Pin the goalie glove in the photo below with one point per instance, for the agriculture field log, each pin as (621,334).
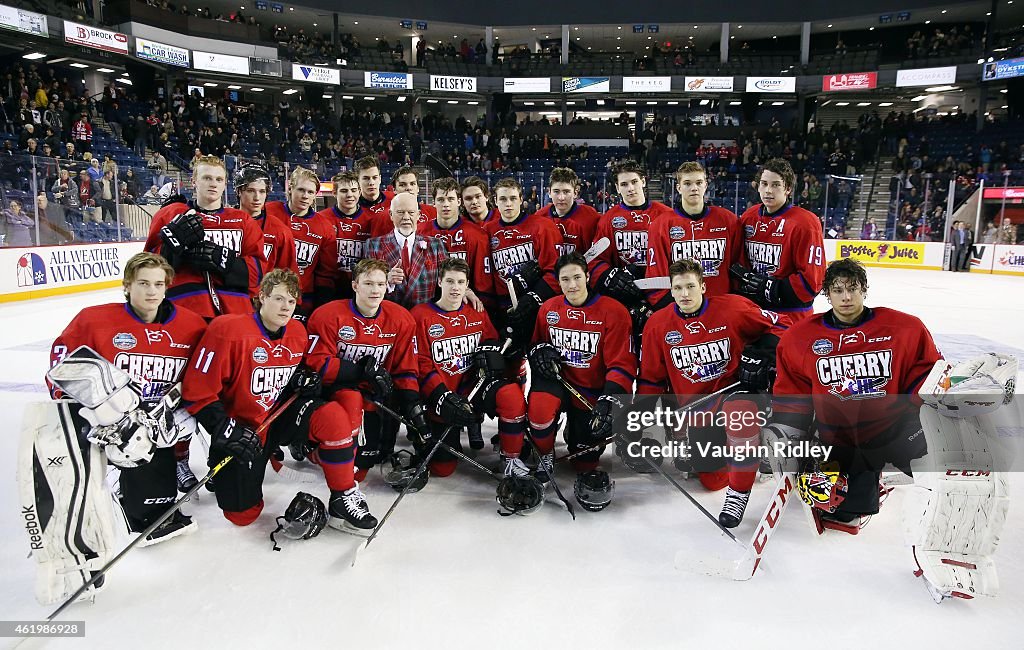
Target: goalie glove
(130,442)
(546,361)
(620,284)
(183,231)
(211,257)
(971,388)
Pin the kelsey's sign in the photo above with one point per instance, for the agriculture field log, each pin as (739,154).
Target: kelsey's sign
(160,53)
(445,83)
(101,39)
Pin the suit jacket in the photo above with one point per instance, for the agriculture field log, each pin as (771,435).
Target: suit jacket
(421,278)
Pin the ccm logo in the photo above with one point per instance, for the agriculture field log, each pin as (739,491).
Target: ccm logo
(966,472)
(159,500)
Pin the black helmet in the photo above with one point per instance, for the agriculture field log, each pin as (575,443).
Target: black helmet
(250,173)
(594,490)
(403,474)
(520,495)
(305,518)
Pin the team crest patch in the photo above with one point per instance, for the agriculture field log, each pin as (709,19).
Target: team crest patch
(125,341)
(618,222)
(749,230)
(259,355)
(347,333)
(673,338)
(494,242)
(821,347)
(676,232)
(552,318)
(436,331)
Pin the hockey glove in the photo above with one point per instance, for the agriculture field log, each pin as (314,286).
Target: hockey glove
(211,257)
(378,377)
(756,368)
(417,417)
(546,361)
(488,358)
(604,415)
(236,440)
(183,231)
(305,382)
(523,318)
(486,399)
(452,407)
(760,288)
(620,284)
(527,275)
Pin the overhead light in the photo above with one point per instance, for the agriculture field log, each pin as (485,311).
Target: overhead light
(256,89)
(431,101)
(355,22)
(620,26)
(347,97)
(863,103)
(774,36)
(943,11)
(32,56)
(473,103)
(589,48)
(830,26)
(210,84)
(326,96)
(527,103)
(939,89)
(60,60)
(988,13)
(290,91)
(927,22)
(453,101)
(570,103)
(826,102)
(78,65)
(107,70)
(919,98)
(696,26)
(1004,107)
(600,102)
(1003,90)
(535,29)
(549,103)
(649,37)
(401,98)
(739,26)
(777,103)
(291,8)
(871,29)
(735,103)
(705,102)
(732,38)
(455,35)
(369,99)
(760,103)
(652,103)
(124,80)
(630,103)
(673,103)
(842,103)
(314,24)
(885,103)
(618,47)
(618,38)
(578,37)
(576,29)
(124,74)
(547,36)
(234,87)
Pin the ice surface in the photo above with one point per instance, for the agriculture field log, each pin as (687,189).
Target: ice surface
(447,571)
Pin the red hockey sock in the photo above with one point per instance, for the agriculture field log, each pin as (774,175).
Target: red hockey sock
(743,436)
(442,468)
(714,481)
(511,436)
(181,449)
(742,481)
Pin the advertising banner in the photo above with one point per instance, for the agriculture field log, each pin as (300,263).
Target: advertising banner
(20,20)
(101,39)
(850,81)
(771,84)
(450,84)
(388,80)
(586,84)
(220,63)
(316,74)
(527,84)
(646,84)
(709,84)
(926,77)
(161,53)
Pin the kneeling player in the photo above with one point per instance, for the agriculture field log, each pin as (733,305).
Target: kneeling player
(244,364)
(583,339)
(454,341)
(853,372)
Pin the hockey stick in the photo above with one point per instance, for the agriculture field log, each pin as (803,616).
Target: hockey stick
(661,282)
(214,298)
(533,443)
(598,247)
(167,514)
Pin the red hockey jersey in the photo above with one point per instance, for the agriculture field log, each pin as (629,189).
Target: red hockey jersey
(701,354)
(229,228)
(153,354)
(490,216)
(238,364)
(530,237)
(714,238)
(595,340)
(577,226)
(352,232)
(626,228)
(786,245)
(445,341)
(278,249)
(468,242)
(851,378)
(338,331)
(316,248)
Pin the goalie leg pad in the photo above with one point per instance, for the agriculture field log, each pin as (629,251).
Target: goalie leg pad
(65,503)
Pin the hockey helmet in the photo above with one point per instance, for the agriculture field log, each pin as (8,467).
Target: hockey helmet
(594,490)
(304,518)
(403,472)
(520,495)
(636,462)
(823,486)
(250,173)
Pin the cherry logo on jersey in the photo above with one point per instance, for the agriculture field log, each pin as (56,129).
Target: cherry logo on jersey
(155,373)
(509,258)
(358,351)
(350,252)
(702,362)
(701,372)
(266,383)
(862,375)
(709,252)
(347,333)
(259,355)
(578,348)
(160,336)
(764,258)
(632,246)
(125,341)
(231,239)
(579,314)
(454,354)
(305,254)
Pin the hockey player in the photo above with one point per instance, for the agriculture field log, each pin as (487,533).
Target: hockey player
(369,342)
(352,228)
(151,339)
(458,346)
(783,259)
(475,200)
(252,184)
(214,250)
(582,338)
(244,364)
(524,249)
(853,372)
(699,345)
(709,234)
(370,195)
(461,238)
(315,238)
(404,181)
(576,222)
(626,226)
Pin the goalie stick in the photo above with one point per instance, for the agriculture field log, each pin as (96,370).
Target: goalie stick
(166,515)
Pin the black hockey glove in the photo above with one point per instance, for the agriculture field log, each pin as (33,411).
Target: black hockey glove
(546,361)
(305,382)
(417,417)
(640,314)
(236,440)
(378,377)
(620,284)
(452,407)
(207,256)
(604,415)
(527,275)
(183,231)
(522,319)
(757,365)
(761,289)
(488,358)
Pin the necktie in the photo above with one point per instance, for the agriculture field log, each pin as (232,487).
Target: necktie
(405,258)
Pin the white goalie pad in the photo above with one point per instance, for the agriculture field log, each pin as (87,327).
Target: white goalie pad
(106,391)
(65,503)
(971,388)
(954,515)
